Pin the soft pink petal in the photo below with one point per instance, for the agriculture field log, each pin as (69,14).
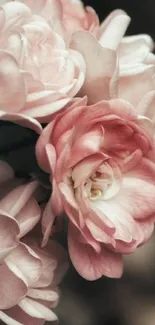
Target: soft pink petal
(114,31)
(9,235)
(133,84)
(28,217)
(12,87)
(43,294)
(126,229)
(16,199)
(90,264)
(146,105)
(66,119)
(55,249)
(132,51)
(16,14)
(19,317)
(85,168)
(47,222)
(22,120)
(138,200)
(12,288)
(99,234)
(146,228)
(25,264)
(49,264)
(9,320)
(98,76)
(36,309)
(41,154)
(88,144)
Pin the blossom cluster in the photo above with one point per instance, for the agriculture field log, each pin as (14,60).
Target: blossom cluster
(89,93)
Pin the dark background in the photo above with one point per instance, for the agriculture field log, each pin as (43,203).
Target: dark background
(142,13)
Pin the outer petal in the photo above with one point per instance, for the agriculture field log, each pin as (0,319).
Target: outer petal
(90,264)
(16,14)
(21,119)
(41,154)
(12,87)
(12,288)
(16,316)
(55,249)
(47,222)
(135,82)
(28,217)
(138,200)
(16,199)
(114,30)
(36,309)
(98,76)
(9,235)
(25,264)
(49,264)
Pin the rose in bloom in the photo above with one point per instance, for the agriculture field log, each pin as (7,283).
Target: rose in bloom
(124,66)
(28,274)
(39,74)
(104,180)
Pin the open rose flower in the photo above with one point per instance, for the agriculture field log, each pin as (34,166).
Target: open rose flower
(104,180)
(28,275)
(124,66)
(38,73)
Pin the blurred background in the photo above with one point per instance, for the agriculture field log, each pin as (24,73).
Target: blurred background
(130,300)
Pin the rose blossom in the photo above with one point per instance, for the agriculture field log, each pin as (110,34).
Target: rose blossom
(28,275)
(104,180)
(39,74)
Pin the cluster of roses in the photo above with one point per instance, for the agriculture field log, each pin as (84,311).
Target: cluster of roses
(94,91)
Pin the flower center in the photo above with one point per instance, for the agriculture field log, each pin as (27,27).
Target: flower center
(95,194)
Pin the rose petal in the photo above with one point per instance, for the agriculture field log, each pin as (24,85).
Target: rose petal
(35,309)
(91,265)
(9,280)
(12,88)
(9,235)
(98,76)
(28,217)
(25,264)
(16,199)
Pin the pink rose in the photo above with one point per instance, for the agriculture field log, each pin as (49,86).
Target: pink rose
(38,73)
(104,180)
(124,66)
(28,275)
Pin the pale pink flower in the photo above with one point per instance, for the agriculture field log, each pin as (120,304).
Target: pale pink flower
(38,73)
(104,180)
(28,275)
(124,66)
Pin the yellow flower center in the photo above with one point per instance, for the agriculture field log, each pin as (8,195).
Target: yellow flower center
(95,194)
